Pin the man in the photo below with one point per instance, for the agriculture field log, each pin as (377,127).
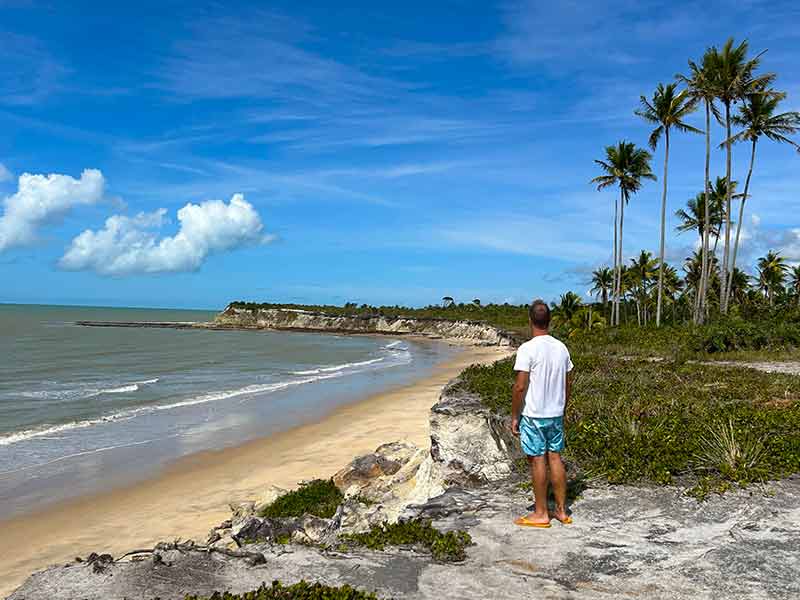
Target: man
(541,394)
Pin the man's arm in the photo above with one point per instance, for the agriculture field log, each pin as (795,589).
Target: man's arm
(517,398)
(567,391)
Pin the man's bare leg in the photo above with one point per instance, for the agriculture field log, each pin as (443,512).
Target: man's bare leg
(538,466)
(558,478)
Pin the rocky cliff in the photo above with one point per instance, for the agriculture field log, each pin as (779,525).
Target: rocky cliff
(473,332)
(650,542)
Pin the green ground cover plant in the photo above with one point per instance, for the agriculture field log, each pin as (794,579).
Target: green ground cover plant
(319,497)
(639,420)
(444,547)
(298,591)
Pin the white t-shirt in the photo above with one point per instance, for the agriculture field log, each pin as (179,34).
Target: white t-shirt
(548,362)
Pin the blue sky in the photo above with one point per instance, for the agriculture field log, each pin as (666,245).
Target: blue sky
(352,151)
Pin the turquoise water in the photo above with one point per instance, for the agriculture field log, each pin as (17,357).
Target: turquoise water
(85,408)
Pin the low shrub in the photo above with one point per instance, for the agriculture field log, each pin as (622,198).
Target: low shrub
(319,497)
(444,547)
(634,420)
(298,591)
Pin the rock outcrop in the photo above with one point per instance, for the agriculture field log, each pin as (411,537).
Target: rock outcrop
(626,542)
(474,332)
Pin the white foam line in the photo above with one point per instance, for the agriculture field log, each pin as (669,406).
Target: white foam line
(46,432)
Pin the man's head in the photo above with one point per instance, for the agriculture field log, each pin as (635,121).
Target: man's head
(539,314)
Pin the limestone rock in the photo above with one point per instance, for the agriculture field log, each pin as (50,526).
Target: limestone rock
(267,497)
(470,442)
(242,510)
(626,542)
(364,471)
(474,332)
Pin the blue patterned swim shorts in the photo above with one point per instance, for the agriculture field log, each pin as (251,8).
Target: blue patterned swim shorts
(541,435)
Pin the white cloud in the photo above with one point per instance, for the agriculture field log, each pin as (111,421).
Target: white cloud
(41,199)
(789,244)
(5,174)
(128,245)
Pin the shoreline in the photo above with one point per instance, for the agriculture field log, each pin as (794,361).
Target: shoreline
(191,495)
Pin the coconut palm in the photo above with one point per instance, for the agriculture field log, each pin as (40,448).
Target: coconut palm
(693,273)
(673,286)
(584,319)
(568,305)
(739,285)
(794,283)
(757,118)
(666,110)
(700,85)
(602,282)
(733,77)
(625,166)
(642,276)
(694,217)
(772,270)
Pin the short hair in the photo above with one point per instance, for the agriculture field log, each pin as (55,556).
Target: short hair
(539,314)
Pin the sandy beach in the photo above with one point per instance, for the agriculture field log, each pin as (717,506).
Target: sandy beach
(192,495)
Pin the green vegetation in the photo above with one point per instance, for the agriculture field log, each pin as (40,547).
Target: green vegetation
(639,420)
(298,591)
(444,547)
(319,497)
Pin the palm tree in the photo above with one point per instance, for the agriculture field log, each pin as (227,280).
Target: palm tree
(693,269)
(794,283)
(568,305)
(739,285)
(694,217)
(700,86)
(584,319)
(673,286)
(666,110)
(602,280)
(625,166)
(757,118)
(733,78)
(642,275)
(719,193)
(772,270)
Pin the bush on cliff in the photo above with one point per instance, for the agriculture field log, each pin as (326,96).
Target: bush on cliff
(298,591)
(319,497)
(633,420)
(444,547)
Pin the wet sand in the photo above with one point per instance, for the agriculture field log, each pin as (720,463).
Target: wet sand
(192,495)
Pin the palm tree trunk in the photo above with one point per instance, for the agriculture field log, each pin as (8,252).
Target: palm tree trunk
(620,254)
(663,231)
(706,262)
(616,263)
(723,299)
(741,216)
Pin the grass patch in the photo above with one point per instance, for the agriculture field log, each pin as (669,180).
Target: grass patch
(319,497)
(637,420)
(444,547)
(297,591)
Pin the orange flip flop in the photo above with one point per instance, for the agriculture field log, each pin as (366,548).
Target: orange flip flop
(567,521)
(525,522)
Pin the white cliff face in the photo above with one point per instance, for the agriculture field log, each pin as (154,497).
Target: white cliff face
(464,331)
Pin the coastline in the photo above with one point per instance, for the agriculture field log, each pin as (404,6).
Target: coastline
(192,495)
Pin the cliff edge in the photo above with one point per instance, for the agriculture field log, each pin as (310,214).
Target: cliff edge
(470,332)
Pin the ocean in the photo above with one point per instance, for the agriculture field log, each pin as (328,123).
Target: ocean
(83,409)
